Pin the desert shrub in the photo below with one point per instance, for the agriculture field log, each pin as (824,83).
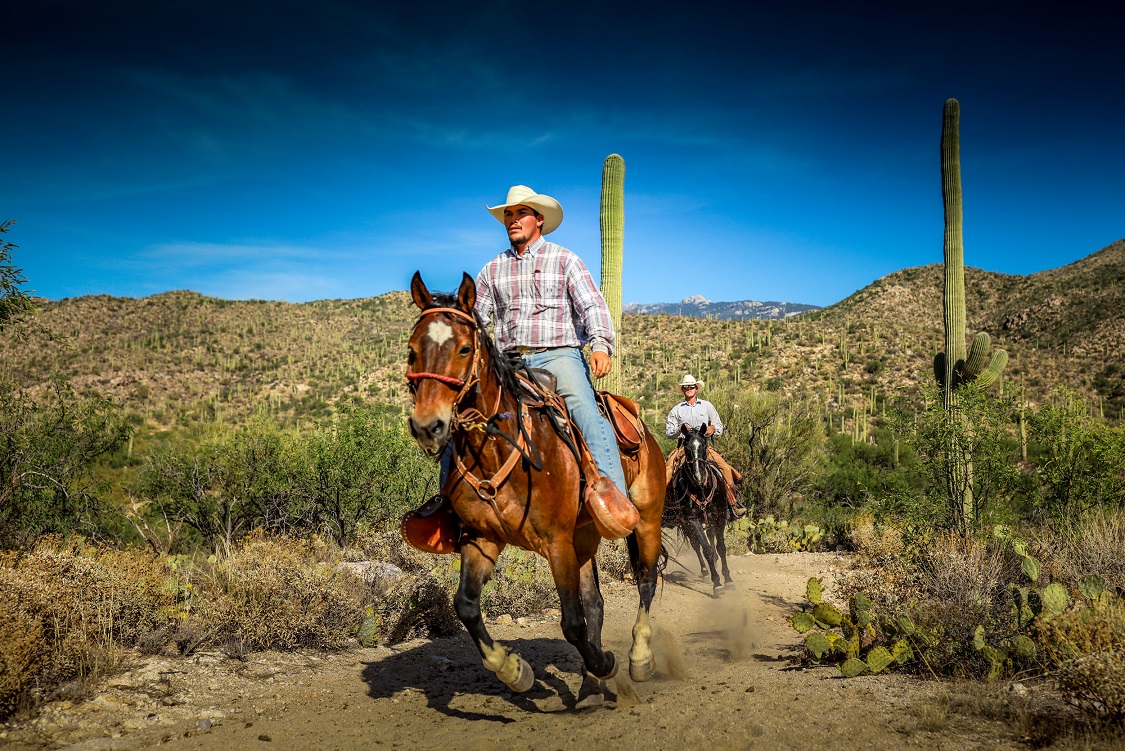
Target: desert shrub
(272,593)
(85,603)
(613,560)
(872,540)
(522,585)
(349,471)
(225,483)
(356,470)
(1086,644)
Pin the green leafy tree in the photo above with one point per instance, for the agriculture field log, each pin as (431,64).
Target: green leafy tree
(1081,460)
(981,438)
(776,444)
(14,301)
(48,447)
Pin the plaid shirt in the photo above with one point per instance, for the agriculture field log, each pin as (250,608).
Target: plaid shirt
(544,298)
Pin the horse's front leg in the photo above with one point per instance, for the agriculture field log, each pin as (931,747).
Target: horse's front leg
(689,535)
(478,559)
(709,551)
(569,583)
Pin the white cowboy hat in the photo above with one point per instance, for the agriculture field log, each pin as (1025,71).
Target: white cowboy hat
(521,195)
(689,380)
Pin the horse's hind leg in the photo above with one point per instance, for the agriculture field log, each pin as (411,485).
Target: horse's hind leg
(478,559)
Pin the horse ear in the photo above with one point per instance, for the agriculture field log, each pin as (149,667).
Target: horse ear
(418,291)
(467,294)
(685,429)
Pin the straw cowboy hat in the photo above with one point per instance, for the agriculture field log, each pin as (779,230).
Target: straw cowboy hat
(521,195)
(689,380)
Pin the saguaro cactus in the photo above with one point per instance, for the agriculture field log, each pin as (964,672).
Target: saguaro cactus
(613,227)
(952,368)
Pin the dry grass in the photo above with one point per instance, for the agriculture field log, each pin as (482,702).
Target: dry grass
(277,593)
(874,541)
(1087,644)
(1094,545)
(69,610)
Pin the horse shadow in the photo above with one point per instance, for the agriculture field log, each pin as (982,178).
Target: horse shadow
(444,669)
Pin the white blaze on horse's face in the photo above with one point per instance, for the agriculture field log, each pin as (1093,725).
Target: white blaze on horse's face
(439,332)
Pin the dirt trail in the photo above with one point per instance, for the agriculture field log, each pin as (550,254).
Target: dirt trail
(726,680)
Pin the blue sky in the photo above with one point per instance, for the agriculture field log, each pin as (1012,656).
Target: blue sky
(307,150)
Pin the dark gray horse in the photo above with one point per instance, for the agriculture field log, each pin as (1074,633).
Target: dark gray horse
(695,503)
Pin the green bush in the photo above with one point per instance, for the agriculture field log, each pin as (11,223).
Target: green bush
(48,445)
(348,471)
(1079,460)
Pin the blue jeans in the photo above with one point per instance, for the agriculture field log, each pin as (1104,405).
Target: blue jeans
(572,376)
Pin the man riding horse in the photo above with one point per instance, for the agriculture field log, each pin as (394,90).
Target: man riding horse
(512,477)
(543,307)
(694,413)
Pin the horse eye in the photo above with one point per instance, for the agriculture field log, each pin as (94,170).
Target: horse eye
(466,349)
(410,356)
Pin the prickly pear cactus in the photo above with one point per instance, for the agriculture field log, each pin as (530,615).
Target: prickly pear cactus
(860,642)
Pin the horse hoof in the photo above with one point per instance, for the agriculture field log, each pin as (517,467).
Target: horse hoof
(718,591)
(642,671)
(612,667)
(592,701)
(523,679)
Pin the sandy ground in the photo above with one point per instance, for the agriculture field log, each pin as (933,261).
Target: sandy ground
(727,679)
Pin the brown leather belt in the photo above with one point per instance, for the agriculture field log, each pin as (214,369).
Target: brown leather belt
(526,350)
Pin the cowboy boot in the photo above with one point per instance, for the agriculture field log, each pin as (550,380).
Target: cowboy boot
(737,510)
(613,513)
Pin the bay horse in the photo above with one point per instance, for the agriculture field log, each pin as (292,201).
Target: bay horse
(696,504)
(460,384)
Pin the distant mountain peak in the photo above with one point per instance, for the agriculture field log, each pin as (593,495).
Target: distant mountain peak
(698,306)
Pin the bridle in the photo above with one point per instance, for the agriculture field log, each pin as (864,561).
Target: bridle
(463,384)
(473,419)
(706,472)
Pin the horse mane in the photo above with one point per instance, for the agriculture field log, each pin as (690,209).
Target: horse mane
(501,366)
